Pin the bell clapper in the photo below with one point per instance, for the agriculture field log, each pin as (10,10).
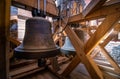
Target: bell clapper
(41,62)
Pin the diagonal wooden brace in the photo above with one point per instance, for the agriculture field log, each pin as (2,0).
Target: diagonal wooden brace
(100,33)
(79,46)
(104,51)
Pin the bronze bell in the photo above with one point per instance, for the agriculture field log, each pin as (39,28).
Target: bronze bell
(37,42)
(68,48)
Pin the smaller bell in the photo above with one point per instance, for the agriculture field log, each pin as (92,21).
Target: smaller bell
(68,48)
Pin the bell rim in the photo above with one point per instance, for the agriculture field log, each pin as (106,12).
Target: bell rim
(63,50)
(68,49)
(34,55)
(18,49)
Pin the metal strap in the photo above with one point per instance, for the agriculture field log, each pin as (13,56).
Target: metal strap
(38,5)
(45,7)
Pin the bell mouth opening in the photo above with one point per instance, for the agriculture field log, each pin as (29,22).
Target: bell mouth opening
(36,54)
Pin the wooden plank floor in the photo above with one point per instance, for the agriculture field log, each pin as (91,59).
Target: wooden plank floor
(79,73)
(45,74)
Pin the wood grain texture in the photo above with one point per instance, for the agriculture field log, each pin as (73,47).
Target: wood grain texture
(104,51)
(4,44)
(46,74)
(110,59)
(101,32)
(100,13)
(79,46)
(97,37)
(71,66)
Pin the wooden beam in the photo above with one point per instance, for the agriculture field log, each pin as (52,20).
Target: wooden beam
(104,51)
(102,30)
(117,28)
(50,8)
(71,66)
(110,59)
(95,53)
(105,66)
(100,13)
(14,41)
(110,37)
(92,6)
(109,70)
(25,70)
(112,2)
(4,25)
(92,68)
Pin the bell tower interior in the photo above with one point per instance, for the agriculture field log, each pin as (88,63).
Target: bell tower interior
(60,39)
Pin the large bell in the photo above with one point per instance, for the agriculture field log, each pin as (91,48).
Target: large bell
(37,42)
(68,48)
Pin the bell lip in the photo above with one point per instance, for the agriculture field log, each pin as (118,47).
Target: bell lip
(62,50)
(36,55)
(19,49)
(67,49)
(67,52)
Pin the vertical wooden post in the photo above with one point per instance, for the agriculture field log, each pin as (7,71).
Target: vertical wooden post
(4,23)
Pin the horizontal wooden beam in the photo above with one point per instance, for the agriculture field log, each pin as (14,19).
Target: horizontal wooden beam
(14,41)
(23,17)
(100,13)
(50,8)
(26,70)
